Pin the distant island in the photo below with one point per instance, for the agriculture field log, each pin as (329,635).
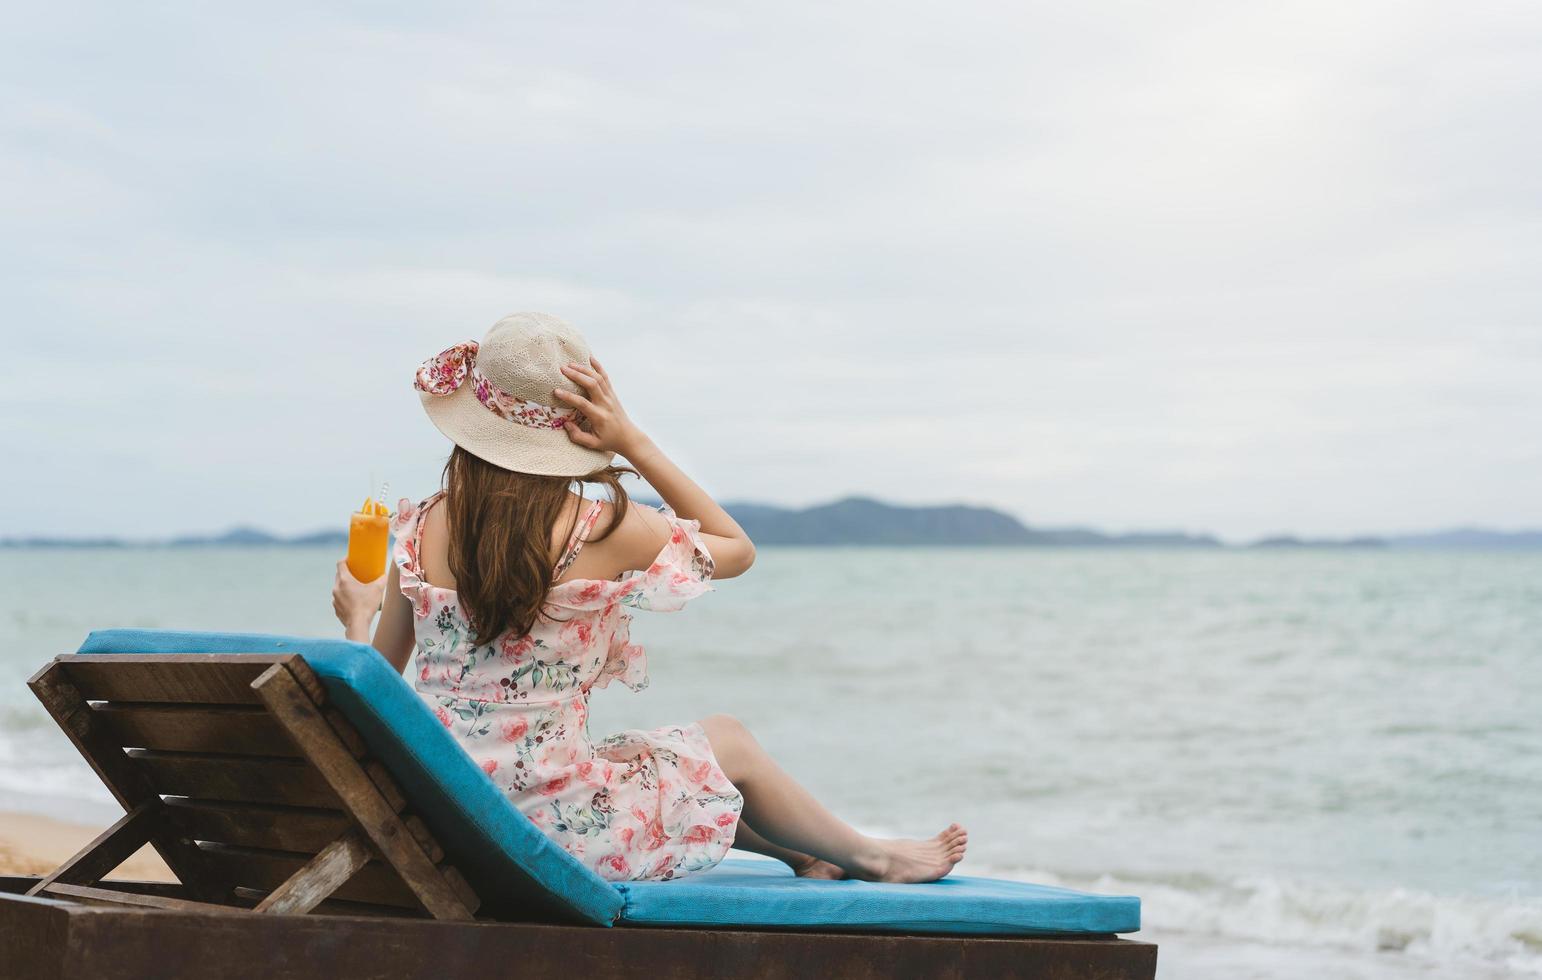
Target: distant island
(864,522)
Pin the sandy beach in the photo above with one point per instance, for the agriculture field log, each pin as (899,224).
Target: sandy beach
(34,845)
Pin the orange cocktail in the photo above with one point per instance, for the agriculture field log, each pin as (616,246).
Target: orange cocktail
(369,530)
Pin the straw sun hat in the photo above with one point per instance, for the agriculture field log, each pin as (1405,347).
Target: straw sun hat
(494,399)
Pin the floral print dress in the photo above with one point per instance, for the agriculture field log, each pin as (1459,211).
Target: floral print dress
(638,805)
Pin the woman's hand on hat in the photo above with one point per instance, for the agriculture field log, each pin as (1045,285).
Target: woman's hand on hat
(606,425)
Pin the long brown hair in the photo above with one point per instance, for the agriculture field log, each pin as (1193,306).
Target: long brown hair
(500,538)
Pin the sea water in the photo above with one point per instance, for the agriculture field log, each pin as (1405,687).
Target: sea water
(1302,761)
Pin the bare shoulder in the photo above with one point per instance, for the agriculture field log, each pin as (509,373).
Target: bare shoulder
(434,518)
(434,546)
(434,531)
(636,540)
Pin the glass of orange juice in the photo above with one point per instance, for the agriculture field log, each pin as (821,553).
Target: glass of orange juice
(369,528)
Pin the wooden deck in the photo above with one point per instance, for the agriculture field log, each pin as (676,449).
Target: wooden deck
(51,939)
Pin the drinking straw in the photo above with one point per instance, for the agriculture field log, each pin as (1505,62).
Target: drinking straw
(380,498)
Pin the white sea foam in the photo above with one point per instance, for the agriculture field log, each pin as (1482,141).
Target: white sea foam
(1458,933)
(37,777)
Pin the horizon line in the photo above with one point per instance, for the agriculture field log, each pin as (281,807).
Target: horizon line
(255,535)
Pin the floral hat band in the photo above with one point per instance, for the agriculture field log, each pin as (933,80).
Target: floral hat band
(444,373)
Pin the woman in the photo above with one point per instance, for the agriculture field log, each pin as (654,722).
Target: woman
(514,591)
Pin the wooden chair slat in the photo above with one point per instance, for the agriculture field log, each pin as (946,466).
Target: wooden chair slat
(264,870)
(241,899)
(183,679)
(196,728)
(424,837)
(251,896)
(283,691)
(321,876)
(234,778)
(460,886)
(125,780)
(386,786)
(111,896)
(345,731)
(109,849)
(279,828)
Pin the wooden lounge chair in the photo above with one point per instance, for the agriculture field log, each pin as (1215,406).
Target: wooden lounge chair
(322,823)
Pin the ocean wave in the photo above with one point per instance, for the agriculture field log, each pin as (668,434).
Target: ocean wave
(40,790)
(1447,930)
(38,775)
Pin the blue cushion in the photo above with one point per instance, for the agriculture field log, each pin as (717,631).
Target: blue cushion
(766,893)
(507,859)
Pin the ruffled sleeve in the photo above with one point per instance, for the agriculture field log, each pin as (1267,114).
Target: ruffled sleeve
(680,572)
(404,528)
(625,661)
(677,575)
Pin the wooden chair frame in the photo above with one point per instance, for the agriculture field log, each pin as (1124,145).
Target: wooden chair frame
(265,803)
(257,794)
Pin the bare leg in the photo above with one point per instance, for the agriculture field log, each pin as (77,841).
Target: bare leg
(803,865)
(789,817)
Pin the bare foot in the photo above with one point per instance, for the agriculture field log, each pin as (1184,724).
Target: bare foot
(815,868)
(908,861)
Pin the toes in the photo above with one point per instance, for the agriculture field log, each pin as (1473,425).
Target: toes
(957,847)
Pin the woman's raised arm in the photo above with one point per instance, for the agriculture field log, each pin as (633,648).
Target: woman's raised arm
(732,550)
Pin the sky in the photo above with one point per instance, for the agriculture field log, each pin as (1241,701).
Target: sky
(1244,268)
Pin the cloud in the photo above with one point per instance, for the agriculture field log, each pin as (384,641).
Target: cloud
(1204,266)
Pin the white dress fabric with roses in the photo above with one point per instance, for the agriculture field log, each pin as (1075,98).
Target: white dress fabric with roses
(636,806)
